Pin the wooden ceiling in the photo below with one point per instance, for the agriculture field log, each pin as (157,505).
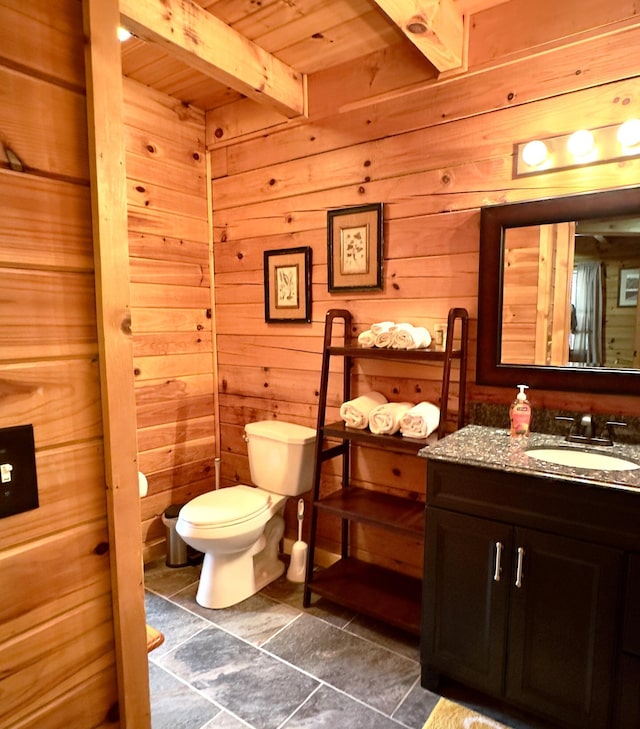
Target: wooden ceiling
(211,52)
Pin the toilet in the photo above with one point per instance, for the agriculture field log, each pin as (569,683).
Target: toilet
(239,528)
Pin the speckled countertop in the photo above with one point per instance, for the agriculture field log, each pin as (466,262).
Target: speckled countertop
(479,445)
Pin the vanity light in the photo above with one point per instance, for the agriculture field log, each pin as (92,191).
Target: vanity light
(535,153)
(629,134)
(583,147)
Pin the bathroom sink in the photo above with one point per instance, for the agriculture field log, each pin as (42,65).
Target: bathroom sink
(580,458)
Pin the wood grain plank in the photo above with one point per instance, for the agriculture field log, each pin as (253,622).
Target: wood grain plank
(47,314)
(54,148)
(54,233)
(60,397)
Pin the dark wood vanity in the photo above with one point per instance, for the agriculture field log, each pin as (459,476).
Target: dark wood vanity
(532,580)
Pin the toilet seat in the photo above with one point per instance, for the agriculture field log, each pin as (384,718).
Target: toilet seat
(226,507)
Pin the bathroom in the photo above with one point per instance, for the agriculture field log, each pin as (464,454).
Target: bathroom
(205,362)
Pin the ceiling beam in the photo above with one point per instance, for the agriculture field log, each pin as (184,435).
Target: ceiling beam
(210,46)
(435,27)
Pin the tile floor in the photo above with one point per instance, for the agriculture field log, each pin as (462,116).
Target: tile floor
(267,663)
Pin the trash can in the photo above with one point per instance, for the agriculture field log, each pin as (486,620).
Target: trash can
(176,547)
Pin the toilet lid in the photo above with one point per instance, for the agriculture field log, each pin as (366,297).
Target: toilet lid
(226,506)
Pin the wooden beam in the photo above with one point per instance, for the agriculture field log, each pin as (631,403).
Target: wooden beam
(205,43)
(111,256)
(435,27)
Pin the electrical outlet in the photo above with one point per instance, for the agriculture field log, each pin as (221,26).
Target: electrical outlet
(18,478)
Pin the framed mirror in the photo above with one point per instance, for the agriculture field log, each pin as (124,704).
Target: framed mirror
(558,293)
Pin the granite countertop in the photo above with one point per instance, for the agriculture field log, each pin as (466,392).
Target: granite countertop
(479,445)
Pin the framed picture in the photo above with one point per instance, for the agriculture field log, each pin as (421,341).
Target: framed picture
(287,285)
(628,287)
(355,248)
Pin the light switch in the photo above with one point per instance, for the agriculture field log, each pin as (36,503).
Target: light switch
(18,479)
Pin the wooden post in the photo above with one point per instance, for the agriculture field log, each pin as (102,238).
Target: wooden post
(111,255)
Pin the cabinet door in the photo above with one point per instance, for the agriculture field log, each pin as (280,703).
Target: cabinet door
(464,599)
(562,627)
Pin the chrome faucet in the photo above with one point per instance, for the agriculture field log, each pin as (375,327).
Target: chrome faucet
(587,426)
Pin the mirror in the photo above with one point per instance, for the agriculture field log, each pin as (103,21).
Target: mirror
(536,323)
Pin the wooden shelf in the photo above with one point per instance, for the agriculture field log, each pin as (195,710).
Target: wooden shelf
(394,442)
(433,353)
(372,590)
(372,507)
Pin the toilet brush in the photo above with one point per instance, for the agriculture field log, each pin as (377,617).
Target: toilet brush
(298,563)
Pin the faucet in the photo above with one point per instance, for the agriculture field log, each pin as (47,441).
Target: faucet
(583,430)
(588,427)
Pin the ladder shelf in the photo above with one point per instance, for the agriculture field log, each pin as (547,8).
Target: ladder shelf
(367,588)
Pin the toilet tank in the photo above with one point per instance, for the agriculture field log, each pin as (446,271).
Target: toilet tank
(281,456)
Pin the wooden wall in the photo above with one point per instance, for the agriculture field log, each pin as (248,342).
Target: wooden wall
(57,658)
(434,155)
(172,310)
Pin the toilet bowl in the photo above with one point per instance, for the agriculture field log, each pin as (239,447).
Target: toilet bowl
(239,528)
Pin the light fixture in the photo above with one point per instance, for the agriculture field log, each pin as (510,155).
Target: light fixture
(579,148)
(123,34)
(629,134)
(581,145)
(535,153)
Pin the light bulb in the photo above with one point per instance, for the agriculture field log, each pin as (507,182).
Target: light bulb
(123,34)
(581,144)
(629,133)
(534,153)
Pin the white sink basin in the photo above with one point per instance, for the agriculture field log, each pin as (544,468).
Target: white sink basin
(578,458)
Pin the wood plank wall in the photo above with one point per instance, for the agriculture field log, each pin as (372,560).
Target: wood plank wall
(433,155)
(171,303)
(57,658)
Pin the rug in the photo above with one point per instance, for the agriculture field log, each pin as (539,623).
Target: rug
(449,715)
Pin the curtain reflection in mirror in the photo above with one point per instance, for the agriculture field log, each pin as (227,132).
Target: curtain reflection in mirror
(585,342)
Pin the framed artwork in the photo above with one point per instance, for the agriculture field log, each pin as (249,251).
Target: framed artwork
(287,285)
(355,248)
(628,286)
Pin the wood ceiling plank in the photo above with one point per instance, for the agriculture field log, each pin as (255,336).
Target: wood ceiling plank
(336,45)
(208,45)
(312,18)
(435,27)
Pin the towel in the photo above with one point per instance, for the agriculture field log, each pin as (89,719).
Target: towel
(385,419)
(410,337)
(383,338)
(355,413)
(367,338)
(420,421)
(381,326)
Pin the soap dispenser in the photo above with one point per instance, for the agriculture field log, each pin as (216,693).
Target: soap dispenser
(520,414)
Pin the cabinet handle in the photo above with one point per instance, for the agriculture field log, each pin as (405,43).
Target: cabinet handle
(498,570)
(519,567)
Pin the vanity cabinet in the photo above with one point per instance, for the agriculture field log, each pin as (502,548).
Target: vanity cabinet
(523,589)
(367,588)
(629,683)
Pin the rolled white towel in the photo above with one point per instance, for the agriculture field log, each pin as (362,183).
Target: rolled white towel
(385,419)
(383,338)
(355,413)
(381,326)
(410,338)
(367,338)
(420,421)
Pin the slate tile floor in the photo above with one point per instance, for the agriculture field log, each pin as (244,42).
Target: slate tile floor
(267,663)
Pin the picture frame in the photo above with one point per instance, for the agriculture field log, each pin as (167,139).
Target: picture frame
(628,286)
(287,285)
(355,248)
